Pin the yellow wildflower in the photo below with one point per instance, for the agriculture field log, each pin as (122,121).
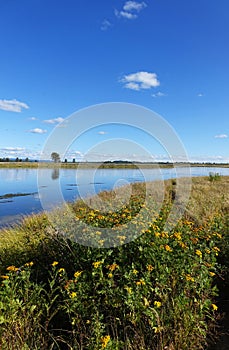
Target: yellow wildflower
(61,270)
(215,307)
(199,253)
(182,245)
(55,263)
(29,264)
(216,249)
(177,235)
(12,268)
(98,233)
(207,251)
(168,248)
(164,234)
(146,303)
(73,295)
(5,277)
(212,273)
(149,267)
(112,267)
(157,329)
(110,275)
(105,340)
(189,278)
(140,282)
(128,289)
(77,274)
(96,264)
(157,303)
(135,272)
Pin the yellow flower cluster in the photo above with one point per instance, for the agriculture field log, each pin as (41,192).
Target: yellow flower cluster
(105,340)
(112,267)
(128,289)
(55,263)
(168,248)
(157,303)
(149,267)
(199,253)
(189,278)
(96,264)
(12,268)
(77,274)
(140,282)
(73,295)
(5,277)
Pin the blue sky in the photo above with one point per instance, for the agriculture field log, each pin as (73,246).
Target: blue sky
(58,57)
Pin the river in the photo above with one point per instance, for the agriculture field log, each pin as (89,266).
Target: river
(21,189)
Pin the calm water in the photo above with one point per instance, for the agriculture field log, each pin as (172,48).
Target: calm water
(57,185)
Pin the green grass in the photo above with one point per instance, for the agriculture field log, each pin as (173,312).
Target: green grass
(156,292)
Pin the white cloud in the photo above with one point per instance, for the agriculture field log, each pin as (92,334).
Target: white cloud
(130,9)
(12,105)
(140,80)
(132,86)
(54,120)
(71,154)
(159,94)
(38,131)
(134,5)
(200,95)
(33,118)
(14,149)
(127,15)
(102,132)
(221,136)
(105,25)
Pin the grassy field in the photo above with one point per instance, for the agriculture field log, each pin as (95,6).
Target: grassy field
(105,165)
(159,291)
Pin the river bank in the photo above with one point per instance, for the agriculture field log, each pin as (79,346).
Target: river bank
(157,291)
(106,165)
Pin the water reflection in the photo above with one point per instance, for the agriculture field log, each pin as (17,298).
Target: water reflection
(55,174)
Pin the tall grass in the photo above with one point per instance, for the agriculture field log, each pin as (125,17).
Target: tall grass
(156,292)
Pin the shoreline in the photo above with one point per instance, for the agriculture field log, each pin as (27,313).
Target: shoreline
(112,165)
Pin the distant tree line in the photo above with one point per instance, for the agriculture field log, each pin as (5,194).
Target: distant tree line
(7,159)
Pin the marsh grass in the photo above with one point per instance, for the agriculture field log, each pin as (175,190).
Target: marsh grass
(156,292)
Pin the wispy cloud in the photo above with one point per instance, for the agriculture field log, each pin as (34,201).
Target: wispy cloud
(13,105)
(125,14)
(221,136)
(33,118)
(105,25)
(200,95)
(140,80)
(54,120)
(102,132)
(130,9)
(159,94)
(38,131)
(13,149)
(134,6)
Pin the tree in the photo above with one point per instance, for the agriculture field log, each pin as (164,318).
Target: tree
(55,157)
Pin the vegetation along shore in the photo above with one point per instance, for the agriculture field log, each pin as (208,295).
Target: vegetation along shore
(104,165)
(160,291)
